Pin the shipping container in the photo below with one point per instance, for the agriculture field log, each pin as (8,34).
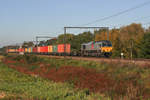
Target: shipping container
(61,48)
(30,50)
(21,50)
(45,49)
(50,49)
(26,50)
(11,50)
(39,48)
(34,50)
(68,48)
(55,49)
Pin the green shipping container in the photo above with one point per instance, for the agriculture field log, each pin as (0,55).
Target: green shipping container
(55,49)
(31,50)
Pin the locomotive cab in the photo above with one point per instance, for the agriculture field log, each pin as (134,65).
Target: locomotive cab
(106,46)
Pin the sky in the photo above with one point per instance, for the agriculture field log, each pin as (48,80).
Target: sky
(23,20)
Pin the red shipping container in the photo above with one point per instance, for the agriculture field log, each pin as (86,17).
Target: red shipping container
(45,49)
(35,49)
(61,48)
(20,50)
(41,49)
(68,48)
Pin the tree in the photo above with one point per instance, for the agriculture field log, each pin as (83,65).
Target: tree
(42,43)
(114,34)
(51,41)
(134,33)
(100,34)
(117,47)
(27,44)
(68,38)
(148,30)
(145,46)
(80,39)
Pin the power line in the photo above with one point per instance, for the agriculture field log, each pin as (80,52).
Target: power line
(144,17)
(119,13)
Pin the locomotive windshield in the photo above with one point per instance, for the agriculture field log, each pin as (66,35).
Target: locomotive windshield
(106,44)
(109,45)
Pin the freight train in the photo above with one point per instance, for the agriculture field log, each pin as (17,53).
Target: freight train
(93,48)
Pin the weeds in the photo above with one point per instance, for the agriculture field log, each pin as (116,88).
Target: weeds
(15,85)
(129,81)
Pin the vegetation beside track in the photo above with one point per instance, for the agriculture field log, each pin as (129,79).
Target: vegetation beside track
(122,81)
(15,85)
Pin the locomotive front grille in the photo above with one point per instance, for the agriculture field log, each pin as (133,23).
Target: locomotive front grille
(106,49)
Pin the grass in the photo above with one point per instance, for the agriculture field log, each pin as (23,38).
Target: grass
(16,85)
(132,80)
(131,77)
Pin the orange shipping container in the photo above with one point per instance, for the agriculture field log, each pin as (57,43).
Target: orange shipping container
(11,50)
(50,49)
(26,50)
(61,48)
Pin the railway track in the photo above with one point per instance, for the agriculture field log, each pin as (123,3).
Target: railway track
(140,62)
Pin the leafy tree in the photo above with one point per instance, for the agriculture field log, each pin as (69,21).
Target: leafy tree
(114,34)
(27,44)
(51,41)
(145,46)
(117,47)
(42,43)
(100,34)
(133,32)
(68,38)
(76,40)
(86,37)
(148,30)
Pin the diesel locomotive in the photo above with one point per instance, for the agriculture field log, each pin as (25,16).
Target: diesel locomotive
(97,48)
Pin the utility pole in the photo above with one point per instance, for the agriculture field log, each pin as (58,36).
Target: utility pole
(64,41)
(37,43)
(107,33)
(131,50)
